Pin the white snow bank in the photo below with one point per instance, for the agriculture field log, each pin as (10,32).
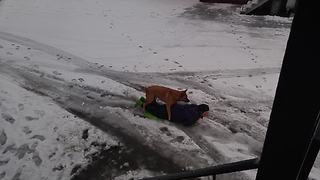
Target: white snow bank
(43,140)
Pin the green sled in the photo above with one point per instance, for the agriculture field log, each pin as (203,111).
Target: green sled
(146,114)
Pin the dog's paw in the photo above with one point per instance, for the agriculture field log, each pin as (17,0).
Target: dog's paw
(165,130)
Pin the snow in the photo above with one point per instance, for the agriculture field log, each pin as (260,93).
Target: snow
(42,139)
(70,72)
(114,35)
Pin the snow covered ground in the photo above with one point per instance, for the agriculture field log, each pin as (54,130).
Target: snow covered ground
(70,72)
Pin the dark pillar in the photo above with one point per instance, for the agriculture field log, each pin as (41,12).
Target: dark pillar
(296,105)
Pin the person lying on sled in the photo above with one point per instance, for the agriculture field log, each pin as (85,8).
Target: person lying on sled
(186,114)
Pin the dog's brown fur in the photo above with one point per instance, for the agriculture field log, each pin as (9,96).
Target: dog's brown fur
(167,95)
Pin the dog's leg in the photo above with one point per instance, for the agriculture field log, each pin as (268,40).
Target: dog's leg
(149,100)
(169,111)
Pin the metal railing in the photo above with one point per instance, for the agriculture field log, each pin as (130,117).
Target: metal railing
(211,171)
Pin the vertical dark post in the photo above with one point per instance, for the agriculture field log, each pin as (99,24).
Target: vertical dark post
(214,177)
(296,105)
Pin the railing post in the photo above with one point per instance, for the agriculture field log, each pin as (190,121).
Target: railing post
(213,177)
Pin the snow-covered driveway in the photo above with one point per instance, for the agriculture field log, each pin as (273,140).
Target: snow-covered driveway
(70,72)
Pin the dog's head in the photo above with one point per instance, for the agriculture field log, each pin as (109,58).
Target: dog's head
(183,96)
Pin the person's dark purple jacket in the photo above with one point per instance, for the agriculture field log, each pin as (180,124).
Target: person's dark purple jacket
(186,114)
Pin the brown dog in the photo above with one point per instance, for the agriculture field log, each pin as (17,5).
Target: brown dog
(167,95)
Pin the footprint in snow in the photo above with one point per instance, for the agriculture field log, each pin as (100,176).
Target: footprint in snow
(21,107)
(165,130)
(81,79)
(51,155)
(56,73)
(264,79)
(58,168)
(30,118)
(4,161)
(3,137)
(18,173)
(36,159)
(27,58)
(40,137)
(85,134)
(26,130)
(178,139)
(8,118)
(22,150)
(41,113)
(2,174)
(90,97)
